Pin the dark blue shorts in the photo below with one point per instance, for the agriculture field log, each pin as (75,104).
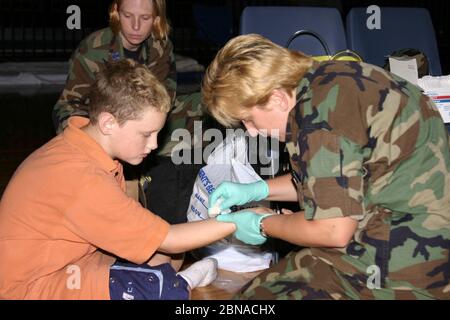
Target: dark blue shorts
(128,281)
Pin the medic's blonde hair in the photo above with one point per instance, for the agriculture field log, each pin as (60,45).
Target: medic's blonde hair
(245,72)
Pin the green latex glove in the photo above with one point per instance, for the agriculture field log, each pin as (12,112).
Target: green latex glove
(247,226)
(238,193)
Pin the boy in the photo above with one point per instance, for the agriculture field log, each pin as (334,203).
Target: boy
(65,218)
(371,168)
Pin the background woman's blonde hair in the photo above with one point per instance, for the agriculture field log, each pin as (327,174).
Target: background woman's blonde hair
(245,72)
(126,89)
(161,27)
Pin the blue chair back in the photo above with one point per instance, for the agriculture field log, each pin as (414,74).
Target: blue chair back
(279,23)
(400,28)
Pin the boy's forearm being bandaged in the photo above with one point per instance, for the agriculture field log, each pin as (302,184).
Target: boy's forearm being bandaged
(187,236)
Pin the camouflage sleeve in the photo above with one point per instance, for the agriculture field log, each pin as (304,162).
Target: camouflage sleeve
(163,65)
(73,98)
(333,186)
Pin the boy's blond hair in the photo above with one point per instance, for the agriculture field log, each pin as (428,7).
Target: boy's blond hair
(161,27)
(245,73)
(126,89)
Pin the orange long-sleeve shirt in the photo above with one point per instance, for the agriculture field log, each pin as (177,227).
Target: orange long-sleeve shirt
(64,203)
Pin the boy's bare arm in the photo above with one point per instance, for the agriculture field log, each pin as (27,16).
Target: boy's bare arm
(187,236)
(334,232)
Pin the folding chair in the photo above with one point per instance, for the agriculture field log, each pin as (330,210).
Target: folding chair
(400,28)
(279,23)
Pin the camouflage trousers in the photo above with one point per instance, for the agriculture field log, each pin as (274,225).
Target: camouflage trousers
(302,276)
(298,276)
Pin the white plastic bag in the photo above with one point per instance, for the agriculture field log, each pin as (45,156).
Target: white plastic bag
(228,162)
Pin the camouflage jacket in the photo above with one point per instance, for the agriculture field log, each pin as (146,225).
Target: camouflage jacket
(89,57)
(369,145)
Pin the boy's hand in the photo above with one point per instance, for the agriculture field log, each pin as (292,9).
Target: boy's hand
(238,193)
(247,226)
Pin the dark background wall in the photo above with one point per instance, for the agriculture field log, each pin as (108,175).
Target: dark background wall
(35,30)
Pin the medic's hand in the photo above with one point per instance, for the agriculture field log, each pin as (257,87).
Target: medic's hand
(247,226)
(238,193)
